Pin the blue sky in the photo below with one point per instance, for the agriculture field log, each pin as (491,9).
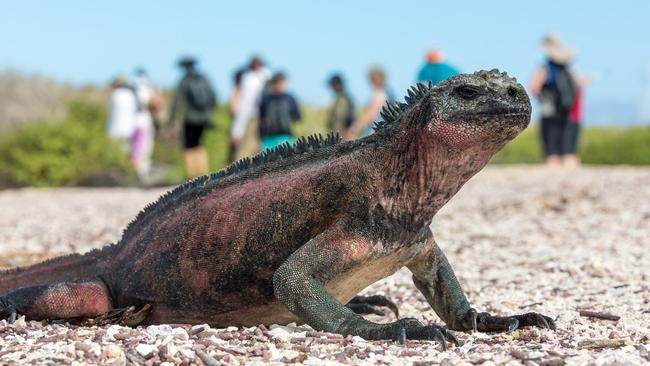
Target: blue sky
(90,41)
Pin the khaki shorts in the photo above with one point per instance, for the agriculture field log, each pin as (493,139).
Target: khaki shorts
(251,143)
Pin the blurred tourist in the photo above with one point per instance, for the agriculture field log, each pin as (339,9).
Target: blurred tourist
(244,132)
(341,114)
(143,134)
(380,96)
(436,69)
(278,111)
(122,112)
(235,97)
(235,94)
(198,99)
(556,88)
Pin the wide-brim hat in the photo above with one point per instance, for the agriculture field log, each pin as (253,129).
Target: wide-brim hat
(557,51)
(187,61)
(119,81)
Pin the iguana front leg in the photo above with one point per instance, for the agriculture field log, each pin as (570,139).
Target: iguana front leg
(299,285)
(57,301)
(434,277)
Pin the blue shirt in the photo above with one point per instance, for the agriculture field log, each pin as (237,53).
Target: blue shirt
(436,72)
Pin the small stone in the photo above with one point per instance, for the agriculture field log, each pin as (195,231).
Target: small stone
(181,334)
(145,350)
(20,322)
(112,351)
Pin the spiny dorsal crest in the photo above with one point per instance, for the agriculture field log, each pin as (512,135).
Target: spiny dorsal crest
(393,110)
(283,151)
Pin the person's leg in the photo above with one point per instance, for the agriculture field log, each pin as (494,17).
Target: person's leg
(571,158)
(250,144)
(196,157)
(549,132)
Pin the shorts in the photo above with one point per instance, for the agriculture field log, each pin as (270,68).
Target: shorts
(269,142)
(192,135)
(559,135)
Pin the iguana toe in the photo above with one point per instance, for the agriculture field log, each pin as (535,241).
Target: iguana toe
(370,304)
(7,310)
(485,322)
(432,333)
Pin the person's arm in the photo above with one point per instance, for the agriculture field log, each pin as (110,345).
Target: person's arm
(537,82)
(176,101)
(367,117)
(262,108)
(294,110)
(234,101)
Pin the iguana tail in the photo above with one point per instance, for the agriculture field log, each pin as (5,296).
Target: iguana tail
(73,267)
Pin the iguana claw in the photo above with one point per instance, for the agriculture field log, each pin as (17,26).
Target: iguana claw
(402,335)
(514,325)
(473,314)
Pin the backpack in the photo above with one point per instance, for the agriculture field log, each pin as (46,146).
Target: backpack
(278,116)
(200,95)
(562,86)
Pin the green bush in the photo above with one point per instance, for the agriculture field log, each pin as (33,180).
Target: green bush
(56,153)
(597,146)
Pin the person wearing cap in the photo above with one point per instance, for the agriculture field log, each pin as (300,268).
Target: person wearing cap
(557,89)
(436,69)
(341,114)
(122,113)
(197,98)
(244,131)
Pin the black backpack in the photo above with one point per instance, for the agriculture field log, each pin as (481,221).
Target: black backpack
(200,95)
(563,86)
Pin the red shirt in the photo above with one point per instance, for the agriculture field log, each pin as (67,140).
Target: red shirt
(576,109)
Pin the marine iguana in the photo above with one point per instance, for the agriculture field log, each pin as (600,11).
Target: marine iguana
(296,232)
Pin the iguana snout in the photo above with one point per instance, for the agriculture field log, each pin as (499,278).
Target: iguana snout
(480,108)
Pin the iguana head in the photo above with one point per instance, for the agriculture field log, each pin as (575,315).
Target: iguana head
(486,108)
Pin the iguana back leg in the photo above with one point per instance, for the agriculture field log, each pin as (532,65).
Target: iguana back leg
(57,301)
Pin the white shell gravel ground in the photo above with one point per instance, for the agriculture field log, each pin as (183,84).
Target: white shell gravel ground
(520,239)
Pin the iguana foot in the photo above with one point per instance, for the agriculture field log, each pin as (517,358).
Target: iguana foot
(7,310)
(410,328)
(124,316)
(370,304)
(485,322)
(403,329)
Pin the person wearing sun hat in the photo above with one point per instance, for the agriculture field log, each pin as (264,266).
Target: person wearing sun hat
(121,112)
(556,87)
(436,68)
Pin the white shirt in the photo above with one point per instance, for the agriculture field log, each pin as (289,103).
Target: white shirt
(144,92)
(252,85)
(121,115)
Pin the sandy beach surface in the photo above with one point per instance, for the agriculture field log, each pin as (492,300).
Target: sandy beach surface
(519,238)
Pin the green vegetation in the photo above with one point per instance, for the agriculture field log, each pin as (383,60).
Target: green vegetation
(75,149)
(57,153)
(598,146)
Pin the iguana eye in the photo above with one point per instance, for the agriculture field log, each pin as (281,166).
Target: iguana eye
(467,91)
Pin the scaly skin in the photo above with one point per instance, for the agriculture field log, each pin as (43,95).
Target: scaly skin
(297,233)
